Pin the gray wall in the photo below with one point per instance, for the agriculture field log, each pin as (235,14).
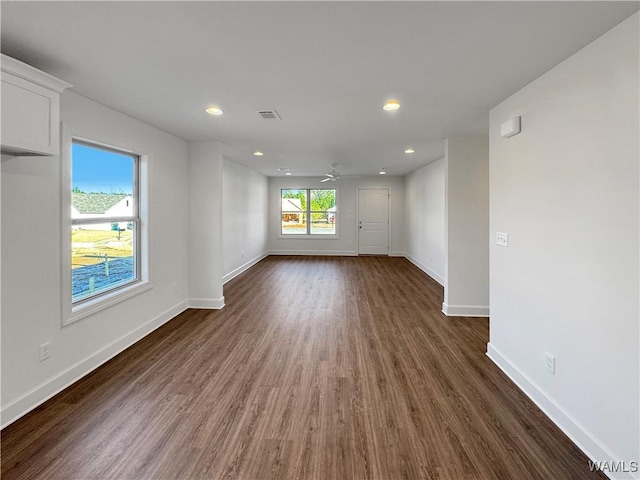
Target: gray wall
(424,207)
(32,260)
(566,192)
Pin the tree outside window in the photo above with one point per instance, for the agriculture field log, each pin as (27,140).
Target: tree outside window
(308,211)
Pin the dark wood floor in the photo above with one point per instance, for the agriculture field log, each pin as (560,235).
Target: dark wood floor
(317,368)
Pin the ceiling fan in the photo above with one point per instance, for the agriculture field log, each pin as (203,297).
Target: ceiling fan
(334,175)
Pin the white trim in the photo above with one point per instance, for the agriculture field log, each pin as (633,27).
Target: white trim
(326,253)
(33,75)
(65,221)
(206,303)
(243,268)
(425,269)
(397,254)
(43,392)
(94,305)
(586,441)
(309,236)
(465,310)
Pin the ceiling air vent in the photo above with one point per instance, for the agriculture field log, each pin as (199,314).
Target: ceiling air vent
(269,115)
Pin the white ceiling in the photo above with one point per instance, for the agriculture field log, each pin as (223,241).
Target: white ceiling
(326,67)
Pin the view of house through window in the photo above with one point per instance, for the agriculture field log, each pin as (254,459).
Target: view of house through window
(104,220)
(308,212)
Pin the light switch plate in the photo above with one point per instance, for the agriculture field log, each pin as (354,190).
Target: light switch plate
(502,239)
(550,363)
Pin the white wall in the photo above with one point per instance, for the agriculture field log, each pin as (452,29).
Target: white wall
(424,216)
(31,273)
(566,191)
(466,290)
(205,225)
(244,218)
(347,243)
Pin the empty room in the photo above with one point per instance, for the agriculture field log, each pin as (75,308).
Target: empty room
(320,240)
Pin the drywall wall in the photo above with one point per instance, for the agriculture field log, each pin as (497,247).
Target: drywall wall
(566,192)
(347,241)
(466,289)
(31,273)
(205,225)
(424,217)
(244,218)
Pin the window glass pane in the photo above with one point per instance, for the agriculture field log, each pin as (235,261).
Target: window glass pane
(323,200)
(102,257)
(102,182)
(323,212)
(323,223)
(294,223)
(294,200)
(104,219)
(293,210)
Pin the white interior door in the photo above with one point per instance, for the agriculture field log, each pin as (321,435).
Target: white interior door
(373,221)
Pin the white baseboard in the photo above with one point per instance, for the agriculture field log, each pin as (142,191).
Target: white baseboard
(397,254)
(207,303)
(578,433)
(465,310)
(314,252)
(425,269)
(243,268)
(43,392)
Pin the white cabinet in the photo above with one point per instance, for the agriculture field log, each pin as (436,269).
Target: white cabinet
(30,110)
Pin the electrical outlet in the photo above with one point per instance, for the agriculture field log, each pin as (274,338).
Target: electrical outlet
(502,239)
(550,363)
(242,254)
(175,288)
(45,351)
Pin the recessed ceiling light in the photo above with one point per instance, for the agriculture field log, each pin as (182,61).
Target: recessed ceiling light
(409,150)
(382,172)
(283,169)
(258,153)
(214,110)
(391,105)
(288,173)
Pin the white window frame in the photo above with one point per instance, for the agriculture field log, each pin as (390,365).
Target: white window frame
(73,312)
(307,212)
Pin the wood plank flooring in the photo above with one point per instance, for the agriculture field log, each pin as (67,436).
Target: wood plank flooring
(317,368)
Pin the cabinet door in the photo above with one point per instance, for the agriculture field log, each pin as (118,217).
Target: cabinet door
(30,117)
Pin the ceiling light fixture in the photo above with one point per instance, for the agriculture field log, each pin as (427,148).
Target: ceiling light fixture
(409,150)
(382,172)
(214,110)
(391,105)
(258,153)
(288,173)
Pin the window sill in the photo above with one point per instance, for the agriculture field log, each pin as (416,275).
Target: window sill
(90,307)
(317,236)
